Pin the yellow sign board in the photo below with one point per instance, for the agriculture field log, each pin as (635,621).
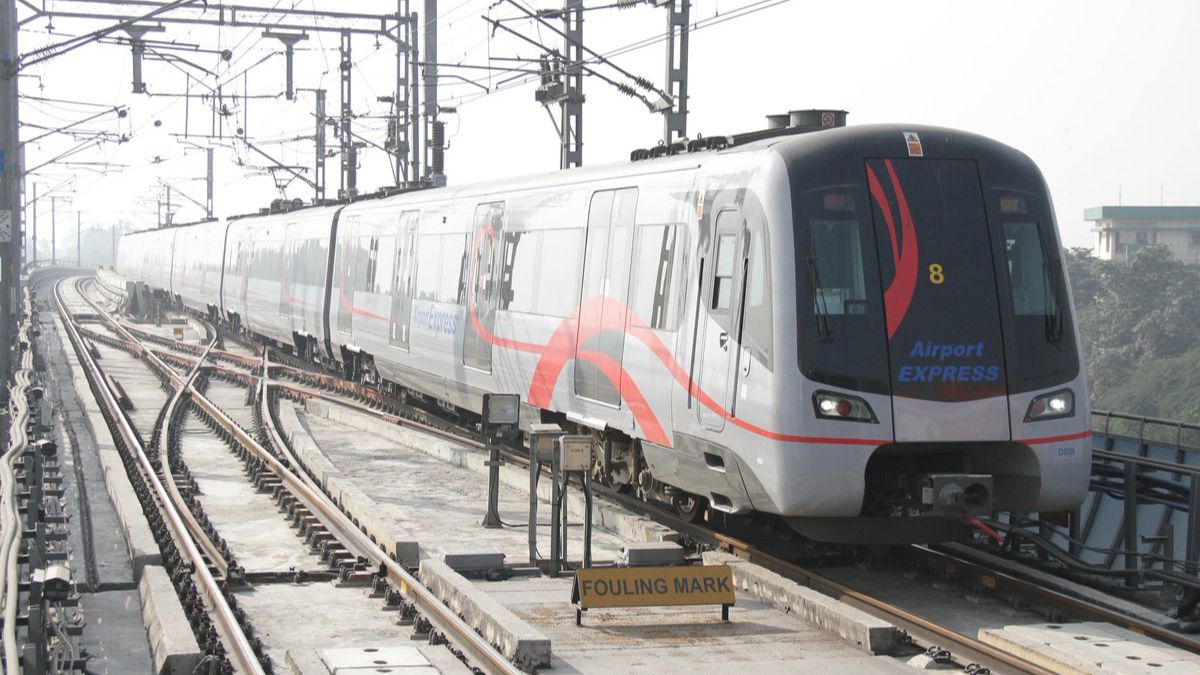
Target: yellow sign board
(653,586)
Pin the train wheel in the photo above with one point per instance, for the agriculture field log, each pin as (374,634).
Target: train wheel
(690,507)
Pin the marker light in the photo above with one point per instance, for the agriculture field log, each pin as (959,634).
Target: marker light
(837,201)
(841,407)
(1013,205)
(1051,406)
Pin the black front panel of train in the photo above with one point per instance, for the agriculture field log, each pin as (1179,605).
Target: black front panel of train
(938,278)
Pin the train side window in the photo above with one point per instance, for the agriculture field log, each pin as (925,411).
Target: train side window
(655,254)
(460,243)
(429,248)
(558,271)
(722,289)
(385,262)
(372,263)
(518,271)
(454,268)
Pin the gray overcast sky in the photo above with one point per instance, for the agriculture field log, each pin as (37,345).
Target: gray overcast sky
(1102,95)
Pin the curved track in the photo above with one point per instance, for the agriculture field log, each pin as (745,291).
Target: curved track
(242,654)
(478,651)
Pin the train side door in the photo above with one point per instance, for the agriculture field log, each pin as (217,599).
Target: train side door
(721,297)
(402,280)
(600,336)
(481,294)
(347,268)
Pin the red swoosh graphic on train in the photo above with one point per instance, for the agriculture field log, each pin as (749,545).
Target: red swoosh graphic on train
(556,353)
(289,296)
(293,300)
(899,294)
(1056,439)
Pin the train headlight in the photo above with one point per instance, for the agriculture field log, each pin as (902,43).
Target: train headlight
(1051,406)
(842,407)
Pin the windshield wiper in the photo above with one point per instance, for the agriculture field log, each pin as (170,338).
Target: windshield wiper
(1054,313)
(820,307)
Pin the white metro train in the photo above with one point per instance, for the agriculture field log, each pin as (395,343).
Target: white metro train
(865,330)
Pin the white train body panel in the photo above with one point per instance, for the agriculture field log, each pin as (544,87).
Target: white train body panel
(199,263)
(790,326)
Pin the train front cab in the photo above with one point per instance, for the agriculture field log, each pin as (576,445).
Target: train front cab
(933,313)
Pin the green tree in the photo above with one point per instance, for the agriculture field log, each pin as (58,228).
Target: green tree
(1137,319)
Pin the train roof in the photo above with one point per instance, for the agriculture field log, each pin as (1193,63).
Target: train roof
(791,143)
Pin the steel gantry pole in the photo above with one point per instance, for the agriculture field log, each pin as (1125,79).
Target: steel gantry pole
(434,136)
(11,175)
(414,103)
(675,117)
(349,160)
(33,219)
(572,102)
(319,160)
(405,173)
(208,204)
(54,229)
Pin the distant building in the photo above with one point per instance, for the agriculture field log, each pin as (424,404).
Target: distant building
(1123,230)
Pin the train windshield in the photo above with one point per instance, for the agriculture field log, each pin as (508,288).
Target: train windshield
(907,287)
(1038,321)
(841,327)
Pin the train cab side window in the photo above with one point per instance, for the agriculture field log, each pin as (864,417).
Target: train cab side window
(1028,270)
(722,288)
(757,325)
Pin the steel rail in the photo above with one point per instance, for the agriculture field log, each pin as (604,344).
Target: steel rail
(1040,594)
(479,650)
(235,639)
(180,390)
(211,550)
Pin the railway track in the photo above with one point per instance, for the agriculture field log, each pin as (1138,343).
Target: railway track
(237,646)
(263,375)
(196,544)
